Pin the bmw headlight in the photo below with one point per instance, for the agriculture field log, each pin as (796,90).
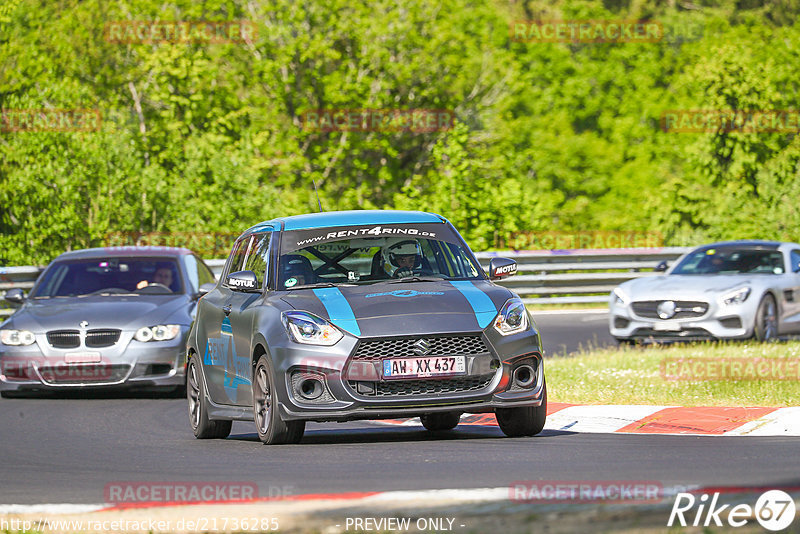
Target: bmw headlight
(619,296)
(737,296)
(17,337)
(309,329)
(161,332)
(512,319)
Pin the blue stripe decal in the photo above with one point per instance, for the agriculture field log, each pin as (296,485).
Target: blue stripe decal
(481,304)
(339,310)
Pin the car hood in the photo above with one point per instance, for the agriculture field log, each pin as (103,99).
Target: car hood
(687,287)
(407,308)
(123,312)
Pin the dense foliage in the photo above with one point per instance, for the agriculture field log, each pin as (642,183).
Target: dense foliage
(208,137)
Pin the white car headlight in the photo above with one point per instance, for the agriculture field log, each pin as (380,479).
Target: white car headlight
(620,298)
(17,337)
(161,332)
(309,329)
(737,296)
(512,319)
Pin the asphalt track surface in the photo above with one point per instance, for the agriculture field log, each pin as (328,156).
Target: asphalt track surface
(66,449)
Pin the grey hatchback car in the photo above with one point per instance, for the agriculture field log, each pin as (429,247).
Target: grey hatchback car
(103,317)
(343,316)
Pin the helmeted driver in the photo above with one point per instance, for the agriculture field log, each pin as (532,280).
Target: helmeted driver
(401,256)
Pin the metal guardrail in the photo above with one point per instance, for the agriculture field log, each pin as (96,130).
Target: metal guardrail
(543,277)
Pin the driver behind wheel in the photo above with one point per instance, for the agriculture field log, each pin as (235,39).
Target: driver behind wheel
(163,276)
(401,257)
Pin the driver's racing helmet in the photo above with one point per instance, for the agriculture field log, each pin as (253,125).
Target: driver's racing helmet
(400,246)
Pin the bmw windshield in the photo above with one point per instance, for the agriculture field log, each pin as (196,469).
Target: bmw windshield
(370,254)
(730,260)
(110,276)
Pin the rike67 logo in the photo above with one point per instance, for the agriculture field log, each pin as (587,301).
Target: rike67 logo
(774,510)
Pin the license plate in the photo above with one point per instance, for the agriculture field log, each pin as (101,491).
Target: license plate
(82,357)
(667,326)
(424,367)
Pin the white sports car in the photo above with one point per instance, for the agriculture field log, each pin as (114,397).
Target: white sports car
(728,290)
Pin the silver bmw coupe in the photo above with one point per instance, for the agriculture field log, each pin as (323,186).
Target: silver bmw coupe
(726,290)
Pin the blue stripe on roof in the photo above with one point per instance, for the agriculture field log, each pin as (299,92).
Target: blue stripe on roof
(358,217)
(339,310)
(481,304)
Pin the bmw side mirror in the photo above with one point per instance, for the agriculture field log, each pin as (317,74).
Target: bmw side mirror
(205,288)
(501,267)
(661,267)
(242,280)
(15,296)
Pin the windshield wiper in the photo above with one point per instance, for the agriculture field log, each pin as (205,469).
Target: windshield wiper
(417,279)
(318,284)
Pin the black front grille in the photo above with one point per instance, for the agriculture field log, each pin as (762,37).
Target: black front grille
(684,309)
(84,373)
(64,339)
(101,338)
(379,349)
(403,388)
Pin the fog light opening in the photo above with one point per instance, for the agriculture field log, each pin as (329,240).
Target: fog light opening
(310,388)
(524,376)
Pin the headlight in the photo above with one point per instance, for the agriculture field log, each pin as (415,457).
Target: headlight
(17,337)
(512,319)
(737,296)
(309,329)
(161,332)
(620,298)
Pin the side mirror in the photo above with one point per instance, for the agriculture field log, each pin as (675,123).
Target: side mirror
(205,288)
(15,296)
(501,267)
(661,267)
(242,280)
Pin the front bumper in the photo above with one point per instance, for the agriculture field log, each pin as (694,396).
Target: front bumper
(353,392)
(718,322)
(126,364)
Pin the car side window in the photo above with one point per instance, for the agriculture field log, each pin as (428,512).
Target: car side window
(794,258)
(258,257)
(240,249)
(198,272)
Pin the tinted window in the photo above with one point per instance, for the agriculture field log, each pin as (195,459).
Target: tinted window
(258,257)
(111,276)
(795,260)
(730,260)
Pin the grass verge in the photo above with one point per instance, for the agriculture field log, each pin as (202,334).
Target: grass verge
(702,374)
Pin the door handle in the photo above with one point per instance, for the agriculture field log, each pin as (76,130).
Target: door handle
(227,309)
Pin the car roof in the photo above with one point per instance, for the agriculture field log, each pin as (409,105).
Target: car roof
(132,251)
(328,219)
(754,243)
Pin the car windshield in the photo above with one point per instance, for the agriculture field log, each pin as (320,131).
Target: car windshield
(731,261)
(110,276)
(370,254)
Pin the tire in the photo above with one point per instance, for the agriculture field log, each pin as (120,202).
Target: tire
(766,323)
(440,421)
(272,430)
(524,421)
(202,426)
